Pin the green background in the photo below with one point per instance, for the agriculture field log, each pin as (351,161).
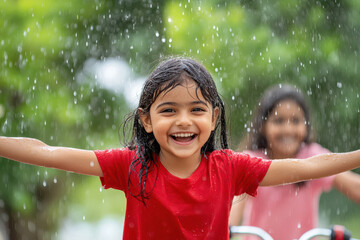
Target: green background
(47,93)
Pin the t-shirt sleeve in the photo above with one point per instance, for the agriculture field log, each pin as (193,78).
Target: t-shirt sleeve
(114,164)
(248,173)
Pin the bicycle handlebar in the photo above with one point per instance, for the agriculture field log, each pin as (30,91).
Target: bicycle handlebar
(336,232)
(250,230)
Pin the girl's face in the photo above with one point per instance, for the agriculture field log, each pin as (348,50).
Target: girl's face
(181,121)
(285,129)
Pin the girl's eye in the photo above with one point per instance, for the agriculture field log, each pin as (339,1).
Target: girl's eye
(198,109)
(167,110)
(278,120)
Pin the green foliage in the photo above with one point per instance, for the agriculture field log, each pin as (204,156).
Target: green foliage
(43,48)
(246,45)
(251,46)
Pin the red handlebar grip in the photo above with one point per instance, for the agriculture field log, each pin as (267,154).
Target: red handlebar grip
(339,232)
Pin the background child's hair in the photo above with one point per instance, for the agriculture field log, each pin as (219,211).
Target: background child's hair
(267,103)
(166,76)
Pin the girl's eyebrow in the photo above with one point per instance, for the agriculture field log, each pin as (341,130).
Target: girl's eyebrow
(174,104)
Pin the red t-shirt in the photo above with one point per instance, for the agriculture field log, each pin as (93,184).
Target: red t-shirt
(193,208)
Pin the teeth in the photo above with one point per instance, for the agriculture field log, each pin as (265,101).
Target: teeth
(183,135)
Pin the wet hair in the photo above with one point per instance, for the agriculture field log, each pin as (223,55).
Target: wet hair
(267,103)
(166,76)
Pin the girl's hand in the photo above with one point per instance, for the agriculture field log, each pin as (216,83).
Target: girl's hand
(35,152)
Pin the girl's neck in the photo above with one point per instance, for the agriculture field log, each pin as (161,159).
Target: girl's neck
(181,168)
(272,155)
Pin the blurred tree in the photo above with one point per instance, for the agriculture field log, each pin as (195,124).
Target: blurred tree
(43,47)
(250,45)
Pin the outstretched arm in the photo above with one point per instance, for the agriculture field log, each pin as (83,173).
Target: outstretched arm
(35,152)
(348,183)
(295,170)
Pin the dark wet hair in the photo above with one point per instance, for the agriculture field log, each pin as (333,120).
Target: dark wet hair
(166,76)
(267,103)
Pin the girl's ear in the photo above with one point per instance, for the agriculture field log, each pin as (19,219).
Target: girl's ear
(214,118)
(145,120)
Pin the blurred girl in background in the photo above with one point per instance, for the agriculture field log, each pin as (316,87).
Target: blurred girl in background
(281,129)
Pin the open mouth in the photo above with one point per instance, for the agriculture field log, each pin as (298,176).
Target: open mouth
(183,137)
(287,140)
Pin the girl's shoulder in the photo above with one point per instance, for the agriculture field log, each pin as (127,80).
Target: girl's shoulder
(115,153)
(231,156)
(256,153)
(225,153)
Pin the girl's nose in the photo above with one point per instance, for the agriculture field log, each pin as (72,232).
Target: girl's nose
(288,126)
(183,120)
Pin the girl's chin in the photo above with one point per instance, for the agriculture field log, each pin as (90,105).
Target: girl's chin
(288,153)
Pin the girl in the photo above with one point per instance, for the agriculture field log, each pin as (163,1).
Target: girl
(177,185)
(281,129)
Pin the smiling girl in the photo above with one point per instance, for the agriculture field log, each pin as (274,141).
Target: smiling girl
(177,184)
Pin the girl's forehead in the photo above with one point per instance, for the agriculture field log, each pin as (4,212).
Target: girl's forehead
(288,103)
(186,92)
(288,106)
(187,85)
